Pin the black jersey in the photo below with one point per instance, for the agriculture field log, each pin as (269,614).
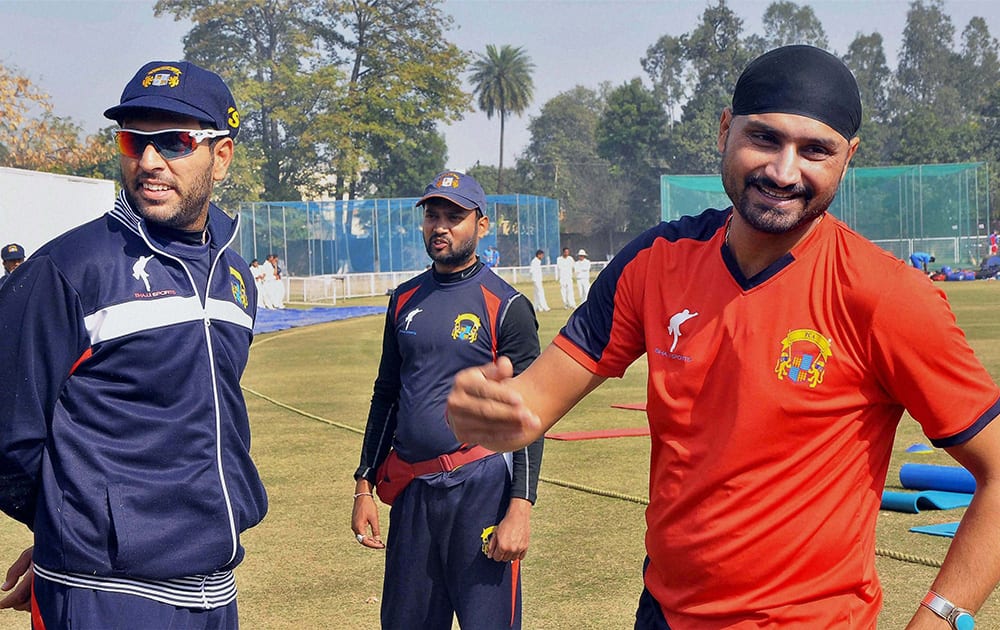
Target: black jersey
(437,325)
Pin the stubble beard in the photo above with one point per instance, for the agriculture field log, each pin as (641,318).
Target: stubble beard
(182,214)
(456,256)
(771,219)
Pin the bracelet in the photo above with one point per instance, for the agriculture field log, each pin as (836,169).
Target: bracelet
(363,494)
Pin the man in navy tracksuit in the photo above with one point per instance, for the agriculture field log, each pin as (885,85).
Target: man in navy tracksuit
(124,438)
(460,526)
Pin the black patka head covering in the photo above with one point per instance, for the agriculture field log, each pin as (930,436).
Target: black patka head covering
(801,80)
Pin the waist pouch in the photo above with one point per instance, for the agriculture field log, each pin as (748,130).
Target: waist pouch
(395,474)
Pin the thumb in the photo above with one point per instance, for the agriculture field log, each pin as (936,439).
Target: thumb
(499,370)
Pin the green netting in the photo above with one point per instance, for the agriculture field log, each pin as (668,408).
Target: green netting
(939,208)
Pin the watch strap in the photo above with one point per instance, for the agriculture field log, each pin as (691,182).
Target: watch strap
(957,618)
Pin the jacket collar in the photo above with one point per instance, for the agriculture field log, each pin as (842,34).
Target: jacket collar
(223,226)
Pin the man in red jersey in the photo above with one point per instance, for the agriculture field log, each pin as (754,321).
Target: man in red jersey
(778,372)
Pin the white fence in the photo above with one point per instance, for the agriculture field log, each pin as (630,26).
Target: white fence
(328,289)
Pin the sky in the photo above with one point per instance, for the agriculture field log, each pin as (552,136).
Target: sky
(82,52)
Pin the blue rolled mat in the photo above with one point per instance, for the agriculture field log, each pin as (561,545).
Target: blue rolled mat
(913,502)
(932,477)
(944,529)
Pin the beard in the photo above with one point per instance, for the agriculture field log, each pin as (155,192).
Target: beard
(186,212)
(456,255)
(773,219)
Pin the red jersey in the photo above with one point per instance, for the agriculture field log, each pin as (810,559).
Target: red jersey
(773,402)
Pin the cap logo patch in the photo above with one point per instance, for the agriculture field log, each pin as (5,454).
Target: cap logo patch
(448,180)
(233,118)
(164,76)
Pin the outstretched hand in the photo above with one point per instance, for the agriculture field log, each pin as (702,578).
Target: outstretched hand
(485,408)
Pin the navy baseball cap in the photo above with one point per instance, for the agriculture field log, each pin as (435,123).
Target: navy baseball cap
(179,87)
(456,187)
(12,252)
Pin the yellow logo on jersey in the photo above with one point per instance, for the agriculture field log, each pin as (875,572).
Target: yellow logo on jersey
(804,354)
(239,288)
(466,327)
(486,535)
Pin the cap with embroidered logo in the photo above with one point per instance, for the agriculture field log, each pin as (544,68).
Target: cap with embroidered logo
(456,187)
(12,251)
(179,87)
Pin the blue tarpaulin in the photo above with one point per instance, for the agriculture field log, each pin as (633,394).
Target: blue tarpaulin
(280,319)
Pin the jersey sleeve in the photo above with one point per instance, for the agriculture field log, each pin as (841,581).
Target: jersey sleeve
(519,342)
(928,365)
(381,425)
(43,339)
(605,334)
(519,334)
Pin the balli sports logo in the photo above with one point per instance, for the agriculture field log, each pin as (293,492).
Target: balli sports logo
(804,354)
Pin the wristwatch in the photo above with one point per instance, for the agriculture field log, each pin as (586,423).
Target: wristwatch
(957,618)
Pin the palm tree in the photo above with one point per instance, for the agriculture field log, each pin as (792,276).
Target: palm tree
(502,82)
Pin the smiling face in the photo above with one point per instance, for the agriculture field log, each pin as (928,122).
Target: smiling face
(781,171)
(173,193)
(451,234)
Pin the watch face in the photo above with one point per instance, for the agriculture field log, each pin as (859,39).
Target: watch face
(964,621)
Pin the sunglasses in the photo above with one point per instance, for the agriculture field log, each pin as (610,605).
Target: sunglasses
(169,143)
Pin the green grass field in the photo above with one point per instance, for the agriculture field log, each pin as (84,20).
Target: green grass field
(308,391)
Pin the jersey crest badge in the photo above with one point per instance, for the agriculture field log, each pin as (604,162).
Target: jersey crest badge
(239,288)
(466,327)
(804,354)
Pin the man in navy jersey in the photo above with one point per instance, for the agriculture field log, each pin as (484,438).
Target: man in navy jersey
(124,437)
(460,514)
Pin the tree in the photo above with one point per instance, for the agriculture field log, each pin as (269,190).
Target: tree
(979,61)
(264,50)
(326,85)
(400,82)
(402,168)
(715,54)
(926,61)
(665,63)
(933,121)
(47,142)
(866,59)
(630,135)
(561,159)
(787,23)
(502,82)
